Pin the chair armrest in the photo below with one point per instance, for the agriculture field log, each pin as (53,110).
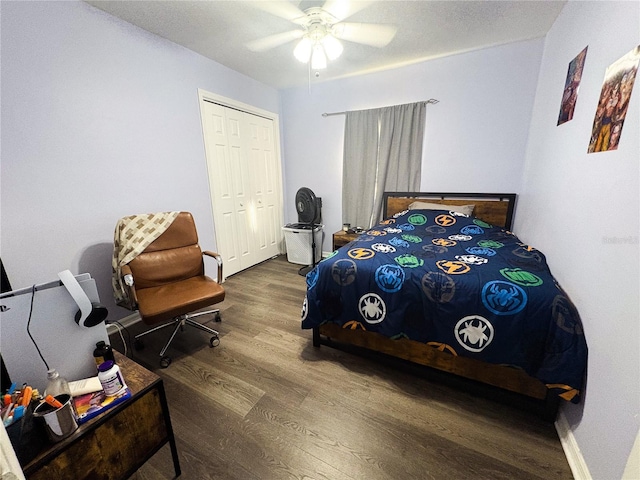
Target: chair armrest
(219,260)
(129,284)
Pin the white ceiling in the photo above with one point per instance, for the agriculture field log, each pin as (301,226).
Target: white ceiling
(427,29)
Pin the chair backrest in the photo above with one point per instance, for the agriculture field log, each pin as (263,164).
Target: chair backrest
(173,256)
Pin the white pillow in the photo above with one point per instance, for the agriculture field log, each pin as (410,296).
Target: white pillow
(465,209)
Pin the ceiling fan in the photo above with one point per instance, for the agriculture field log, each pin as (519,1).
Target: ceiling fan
(321,29)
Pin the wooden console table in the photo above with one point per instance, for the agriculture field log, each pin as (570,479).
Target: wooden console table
(117,443)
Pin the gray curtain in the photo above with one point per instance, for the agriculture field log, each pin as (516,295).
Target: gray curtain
(382,152)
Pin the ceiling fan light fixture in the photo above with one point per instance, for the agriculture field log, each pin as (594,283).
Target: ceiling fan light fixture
(332,46)
(318,58)
(303,50)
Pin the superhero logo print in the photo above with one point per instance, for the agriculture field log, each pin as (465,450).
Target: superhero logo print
(305,310)
(438,287)
(472,259)
(474,333)
(523,252)
(500,235)
(566,315)
(312,278)
(366,238)
(383,248)
(388,221)
(417,219)
(489,252)
(361,253)
(443,347)
(353,325)
(372,308)
(445,220)
(458,214)
(453,267)
(521,277)
(344,272)
(444,242)
(472,230)
(389,278)
(412,238)
(528,263)
(432,251)
(399,214)
(393,230)
(480,223)
(376,233)
(409,261)
(398,242)
(503,298)
(490,244)
(460,238)
(407,227)
(434,230)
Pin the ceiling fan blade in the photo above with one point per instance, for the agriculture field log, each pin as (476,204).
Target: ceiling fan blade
(341,9)
(272,41)
(374,34)
(282,9)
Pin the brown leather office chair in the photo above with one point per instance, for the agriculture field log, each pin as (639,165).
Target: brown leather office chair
(166,283)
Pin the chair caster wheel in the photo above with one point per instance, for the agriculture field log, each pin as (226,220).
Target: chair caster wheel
(214,341)
(165,362)
(217,318)
(138,344)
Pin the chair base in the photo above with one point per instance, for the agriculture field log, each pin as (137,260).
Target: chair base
(179,322)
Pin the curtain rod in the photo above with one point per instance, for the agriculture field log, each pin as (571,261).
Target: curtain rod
(431,100)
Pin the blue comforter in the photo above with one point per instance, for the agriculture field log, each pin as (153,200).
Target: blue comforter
(456,283)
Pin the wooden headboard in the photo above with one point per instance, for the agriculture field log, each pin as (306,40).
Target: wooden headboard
(494,208)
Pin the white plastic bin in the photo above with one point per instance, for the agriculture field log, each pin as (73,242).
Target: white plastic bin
(298,240)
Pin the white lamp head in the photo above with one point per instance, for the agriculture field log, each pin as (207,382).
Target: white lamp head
(332,46)
(303,50)
(318,58)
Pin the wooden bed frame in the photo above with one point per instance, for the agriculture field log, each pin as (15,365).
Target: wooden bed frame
(496,209)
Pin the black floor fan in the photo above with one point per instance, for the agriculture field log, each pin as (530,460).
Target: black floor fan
(309,208)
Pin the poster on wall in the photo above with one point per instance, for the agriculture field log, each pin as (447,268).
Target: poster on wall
(571,85)
(614,102)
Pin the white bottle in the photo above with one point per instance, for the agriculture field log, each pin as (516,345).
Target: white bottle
(111,378)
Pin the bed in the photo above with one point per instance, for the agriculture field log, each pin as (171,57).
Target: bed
(443,282)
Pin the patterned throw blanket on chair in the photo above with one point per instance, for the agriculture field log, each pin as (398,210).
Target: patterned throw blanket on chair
(132,235)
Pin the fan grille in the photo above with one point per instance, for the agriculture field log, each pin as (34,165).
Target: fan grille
(306,205)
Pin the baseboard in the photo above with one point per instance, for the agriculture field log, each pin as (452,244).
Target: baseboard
(571,449)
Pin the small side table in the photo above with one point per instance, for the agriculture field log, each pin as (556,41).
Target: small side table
(113,445)
(341,238)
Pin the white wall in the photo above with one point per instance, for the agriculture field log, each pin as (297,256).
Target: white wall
(475,138)
(573,206)
(100,119)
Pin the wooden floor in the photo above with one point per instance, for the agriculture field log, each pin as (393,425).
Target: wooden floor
(266,404)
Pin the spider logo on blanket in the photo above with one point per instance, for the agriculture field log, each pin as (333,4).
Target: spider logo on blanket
(390,278)
(372,308)
(474,333)
(503,298)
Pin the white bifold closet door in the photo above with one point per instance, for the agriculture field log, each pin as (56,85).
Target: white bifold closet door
(245,183)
